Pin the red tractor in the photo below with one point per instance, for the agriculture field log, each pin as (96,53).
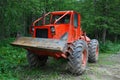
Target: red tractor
(58,34)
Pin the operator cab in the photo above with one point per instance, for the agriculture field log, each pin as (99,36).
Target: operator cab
(57,25)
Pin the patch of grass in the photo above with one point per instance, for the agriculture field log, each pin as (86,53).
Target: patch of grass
(103,59)
(85,77)
(109,47)
(106,50)
(10,57)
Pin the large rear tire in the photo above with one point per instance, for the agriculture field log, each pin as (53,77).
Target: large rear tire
(35,60)
(78,56)
(93,49)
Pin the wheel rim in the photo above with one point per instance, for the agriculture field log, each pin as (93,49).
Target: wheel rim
(84,58)
(97,49)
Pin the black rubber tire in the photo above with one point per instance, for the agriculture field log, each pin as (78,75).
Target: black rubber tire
(93,50)
(35,60)
(76,50)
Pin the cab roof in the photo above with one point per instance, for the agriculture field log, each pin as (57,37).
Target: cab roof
(63,12)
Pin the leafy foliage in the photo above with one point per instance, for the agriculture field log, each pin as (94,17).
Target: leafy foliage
(100,18)
(109,47)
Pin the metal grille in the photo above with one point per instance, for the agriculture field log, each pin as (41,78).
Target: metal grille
(42,33)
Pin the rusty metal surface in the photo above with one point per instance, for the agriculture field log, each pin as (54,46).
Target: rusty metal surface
(40,43)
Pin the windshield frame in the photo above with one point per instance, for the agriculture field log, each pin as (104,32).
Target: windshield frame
(51,16)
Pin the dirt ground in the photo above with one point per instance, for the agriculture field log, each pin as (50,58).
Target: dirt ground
(106,69)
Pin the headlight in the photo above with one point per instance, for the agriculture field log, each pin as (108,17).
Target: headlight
(32,29)
(52,28)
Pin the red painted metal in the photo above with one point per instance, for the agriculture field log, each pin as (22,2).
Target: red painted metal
(84,58)
(97,51)
(60,29)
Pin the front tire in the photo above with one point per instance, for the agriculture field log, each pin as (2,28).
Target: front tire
(78,56)
(93,48)
(36,60)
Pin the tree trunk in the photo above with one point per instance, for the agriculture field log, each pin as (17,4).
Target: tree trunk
(104,35)
(115,39)
(96,34)
(105,14)
(96,30)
